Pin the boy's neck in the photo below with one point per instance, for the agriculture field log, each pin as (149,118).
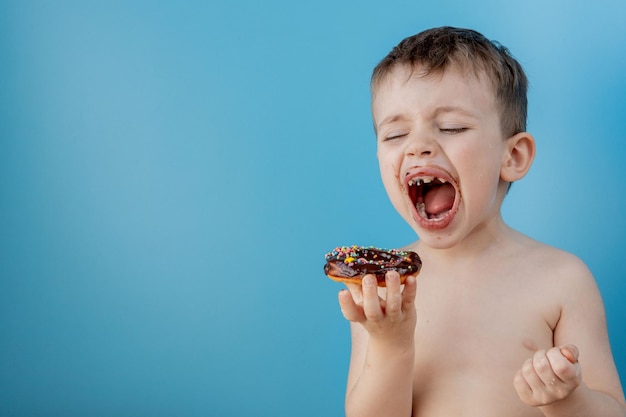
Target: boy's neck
(491,240)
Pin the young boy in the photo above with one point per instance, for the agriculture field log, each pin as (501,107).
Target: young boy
(496,324)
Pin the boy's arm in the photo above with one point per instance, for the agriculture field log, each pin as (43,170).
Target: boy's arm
(380,379)
(583,382)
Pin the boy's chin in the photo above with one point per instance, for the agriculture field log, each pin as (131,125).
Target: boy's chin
(435,235)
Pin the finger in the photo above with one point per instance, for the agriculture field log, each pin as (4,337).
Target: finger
(570,352)
(543,368)
(562,366)
(350,310)
(530,375)
(409,292)
(524,391)
(371,301)
(393,302)
(357,293)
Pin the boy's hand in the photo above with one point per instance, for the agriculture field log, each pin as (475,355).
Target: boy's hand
(393,317)
(549,376)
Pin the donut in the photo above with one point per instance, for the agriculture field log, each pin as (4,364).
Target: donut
(351,263)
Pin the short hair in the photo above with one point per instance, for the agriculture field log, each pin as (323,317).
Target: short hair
(436,49)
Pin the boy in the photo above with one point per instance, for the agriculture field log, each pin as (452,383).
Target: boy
(496,324)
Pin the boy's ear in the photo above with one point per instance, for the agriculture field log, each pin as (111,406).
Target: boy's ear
(518,156)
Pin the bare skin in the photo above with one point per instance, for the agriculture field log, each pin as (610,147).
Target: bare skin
(496,324)
(482,328)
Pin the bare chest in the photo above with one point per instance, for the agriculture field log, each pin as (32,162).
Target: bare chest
(471,338)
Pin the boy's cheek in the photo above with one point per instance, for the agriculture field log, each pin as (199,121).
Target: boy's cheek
(389,170)
(388,177)
(393,188)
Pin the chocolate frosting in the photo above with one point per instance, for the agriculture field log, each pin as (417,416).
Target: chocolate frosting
(353,261)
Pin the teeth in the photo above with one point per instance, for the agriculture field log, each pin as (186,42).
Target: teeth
(421,209)
(424,180)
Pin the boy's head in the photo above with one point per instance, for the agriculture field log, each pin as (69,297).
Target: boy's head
(437,49)
(449,110)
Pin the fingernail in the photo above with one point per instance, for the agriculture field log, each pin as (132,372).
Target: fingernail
(571,356)
(369,281)
(392,277)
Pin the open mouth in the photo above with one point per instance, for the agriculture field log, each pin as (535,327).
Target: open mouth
(435,197)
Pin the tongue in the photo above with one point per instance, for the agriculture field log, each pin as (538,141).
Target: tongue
(439,199)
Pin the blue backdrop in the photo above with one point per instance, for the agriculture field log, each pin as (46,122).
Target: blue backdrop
(172,173)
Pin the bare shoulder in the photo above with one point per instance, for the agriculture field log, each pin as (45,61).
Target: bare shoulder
(569,277)
(563,276)
(555,266)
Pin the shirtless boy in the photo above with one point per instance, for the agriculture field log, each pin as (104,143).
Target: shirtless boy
(496,324)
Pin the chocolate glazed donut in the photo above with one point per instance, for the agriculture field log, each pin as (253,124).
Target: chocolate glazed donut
(351,263)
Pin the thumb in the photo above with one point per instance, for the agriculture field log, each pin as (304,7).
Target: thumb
(570,352)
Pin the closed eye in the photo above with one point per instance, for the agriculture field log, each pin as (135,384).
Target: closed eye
(453,131)
(394,135)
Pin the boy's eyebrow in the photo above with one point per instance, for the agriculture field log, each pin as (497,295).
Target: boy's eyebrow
(390,119)
(454,109)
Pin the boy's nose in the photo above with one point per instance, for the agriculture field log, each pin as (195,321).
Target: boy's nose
(420,146)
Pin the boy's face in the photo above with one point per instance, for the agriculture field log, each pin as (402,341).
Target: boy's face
(440,150)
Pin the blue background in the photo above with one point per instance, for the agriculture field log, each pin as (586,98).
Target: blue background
(172,173)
